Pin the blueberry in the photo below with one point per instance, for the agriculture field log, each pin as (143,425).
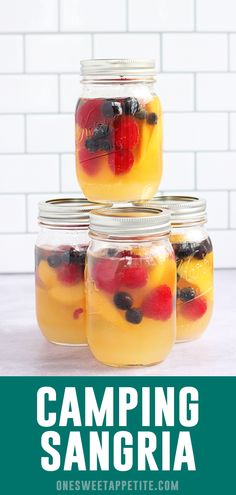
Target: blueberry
(54,260)
(178,293)
(183,250)
(111,252)
(187,294)
(203,248)
(105,146)
(134,315)
(123,300)
(152,118)
(101,131)
(91,144)
(141,114)
(111,108)
(75,257)
(130,106)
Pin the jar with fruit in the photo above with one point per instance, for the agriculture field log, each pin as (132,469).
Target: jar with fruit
(59,269)
(131,286)
(194,258)
(118,131)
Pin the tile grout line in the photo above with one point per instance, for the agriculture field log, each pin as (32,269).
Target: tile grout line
(26,212)
(229,210)
(59,14)
(60,173)
(195,15)
(161,53)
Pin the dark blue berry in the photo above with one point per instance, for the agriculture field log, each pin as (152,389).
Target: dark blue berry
(101,131)
(74,256)
(183,250)
(130,106)
(54,260)
(111,252)
(152,118)
(91,144)
(111,108)
(141,114)
(134,315)
(202,249)
(187,294)
(105,146)
(123,300)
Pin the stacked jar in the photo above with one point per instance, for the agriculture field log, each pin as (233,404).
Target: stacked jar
(194,259)
(130,293)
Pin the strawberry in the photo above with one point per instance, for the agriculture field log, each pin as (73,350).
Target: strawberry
(69,274)
(194,309)
(133,276)
(158,303)
(77,313)
(104,273)
(126,132)
(89,113)
(90,162)
(121,161)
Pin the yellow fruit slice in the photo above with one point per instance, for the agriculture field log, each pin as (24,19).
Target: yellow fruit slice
(68,296)
(47,274)
(100,304)
(197,272)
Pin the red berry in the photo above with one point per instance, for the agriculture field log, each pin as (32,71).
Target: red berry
(77,313)
(69,274)
(158,303)
(90,162)
(121,161)
(133,276)
(89,113)
(194,309)
(104,273)
(126,133)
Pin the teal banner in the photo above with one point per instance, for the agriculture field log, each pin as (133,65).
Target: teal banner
(118,435)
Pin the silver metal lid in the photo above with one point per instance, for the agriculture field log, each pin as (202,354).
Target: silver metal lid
(118,67)
(66,212)
(184,209)
(130,221)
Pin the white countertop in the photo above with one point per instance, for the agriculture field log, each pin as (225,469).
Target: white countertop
(23,350)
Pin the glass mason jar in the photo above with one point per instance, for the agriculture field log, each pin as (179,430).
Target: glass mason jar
(131,286)
(194,258)
(59,269)
(118,122)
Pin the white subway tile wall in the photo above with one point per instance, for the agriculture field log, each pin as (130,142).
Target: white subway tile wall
(41,44)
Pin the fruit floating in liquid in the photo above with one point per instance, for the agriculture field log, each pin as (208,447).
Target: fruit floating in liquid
(60,293)
(118,148)
(194,286)
(131,306)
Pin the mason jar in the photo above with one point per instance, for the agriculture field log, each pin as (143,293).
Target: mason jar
(118,128)
(59,269)
(194,258)
(131,286)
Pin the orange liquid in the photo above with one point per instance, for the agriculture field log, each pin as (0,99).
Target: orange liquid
(142,180)
(115,341)
(60,307)
(198,274)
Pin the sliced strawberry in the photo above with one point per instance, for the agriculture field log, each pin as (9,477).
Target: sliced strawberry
(90,162)
(158,303)
(194,309)
(126,133)
(89,113)
(121,161)
(104,274)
